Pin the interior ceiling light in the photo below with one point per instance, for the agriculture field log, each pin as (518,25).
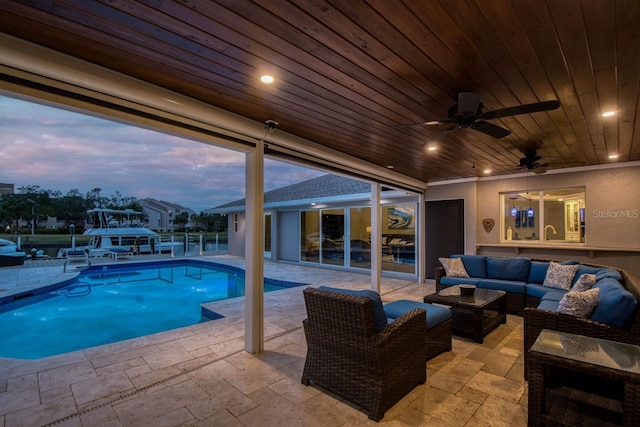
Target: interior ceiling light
(432,148)
(514,211)
(613,156)
(608,114)
(390,167)
(487,171)
(266,79)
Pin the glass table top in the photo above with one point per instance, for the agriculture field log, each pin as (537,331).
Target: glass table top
(608,354)
(480,297)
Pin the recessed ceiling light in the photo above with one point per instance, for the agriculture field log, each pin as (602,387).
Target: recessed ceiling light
(432,148)
(390,167)
(608,114)
(613,156)
(313,203)
(266,79)
(487,170)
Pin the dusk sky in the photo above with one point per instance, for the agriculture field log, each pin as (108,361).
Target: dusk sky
(61,150)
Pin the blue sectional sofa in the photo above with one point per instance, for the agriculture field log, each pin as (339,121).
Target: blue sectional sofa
(523,278)
(616,316)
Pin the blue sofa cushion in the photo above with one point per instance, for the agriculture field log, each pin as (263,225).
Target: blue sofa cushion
(553,296)
(508,268)
(610,273)
(450,281)
(536,290)
(616,305)
(476,265)
(549,305)
(510,286)
(436,314)
(379,316)
(537,272)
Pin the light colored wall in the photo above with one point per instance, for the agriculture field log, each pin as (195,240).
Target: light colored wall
(608,191)
(612,215)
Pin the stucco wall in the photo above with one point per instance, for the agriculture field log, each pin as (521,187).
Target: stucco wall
(612,203)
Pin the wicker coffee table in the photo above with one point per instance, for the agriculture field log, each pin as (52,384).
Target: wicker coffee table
(576,380)
(476,316)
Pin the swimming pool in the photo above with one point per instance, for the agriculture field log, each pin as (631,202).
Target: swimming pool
(112,303)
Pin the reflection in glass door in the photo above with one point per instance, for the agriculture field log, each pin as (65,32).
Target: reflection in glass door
(267,234)
(310,236)
(360,232)
(333,236)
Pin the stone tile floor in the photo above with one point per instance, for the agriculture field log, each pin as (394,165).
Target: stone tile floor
(201,376)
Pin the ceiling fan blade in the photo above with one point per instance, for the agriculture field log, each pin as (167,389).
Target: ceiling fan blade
(539,170)
(521,109)
(423,123)
(490,129)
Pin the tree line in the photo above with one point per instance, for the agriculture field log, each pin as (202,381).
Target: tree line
(33,204)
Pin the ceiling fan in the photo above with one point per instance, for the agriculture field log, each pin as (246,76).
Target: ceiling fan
(531,162)
(468,114)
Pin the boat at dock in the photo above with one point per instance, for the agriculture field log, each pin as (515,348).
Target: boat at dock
(10,255)
(113,231)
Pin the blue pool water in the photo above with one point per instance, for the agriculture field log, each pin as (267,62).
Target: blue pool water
(106,304)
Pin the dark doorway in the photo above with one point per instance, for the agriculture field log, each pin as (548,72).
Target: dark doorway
(444,232)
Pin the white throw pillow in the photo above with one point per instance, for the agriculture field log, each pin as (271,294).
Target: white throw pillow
(584,283)
(560,276)
(453,267)
(580,304)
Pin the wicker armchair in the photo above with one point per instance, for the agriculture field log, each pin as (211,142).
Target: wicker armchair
(346,356)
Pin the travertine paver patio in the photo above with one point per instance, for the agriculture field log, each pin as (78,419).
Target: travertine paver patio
(200,375)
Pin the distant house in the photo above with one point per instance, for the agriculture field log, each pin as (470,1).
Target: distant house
(327,221)
(162,214)
(7,188)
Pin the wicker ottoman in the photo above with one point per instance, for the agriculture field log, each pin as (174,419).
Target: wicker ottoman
(439,324)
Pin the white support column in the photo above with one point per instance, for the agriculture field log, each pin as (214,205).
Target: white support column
(254,251)
(421,246)
(376,247)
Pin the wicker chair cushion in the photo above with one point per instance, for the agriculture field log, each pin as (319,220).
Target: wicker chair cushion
(453,267)
(617,305)
(560,276)
(435,314)
(508,268)
(584,283)
(580,304)
(379,316)
(476,265)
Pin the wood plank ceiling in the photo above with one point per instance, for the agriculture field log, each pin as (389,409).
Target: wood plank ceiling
(349,71)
